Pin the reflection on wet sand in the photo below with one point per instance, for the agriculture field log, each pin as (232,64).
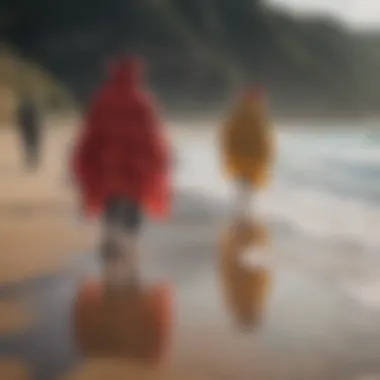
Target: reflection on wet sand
(246,289)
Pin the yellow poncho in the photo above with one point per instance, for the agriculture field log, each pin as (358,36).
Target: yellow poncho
(247,143)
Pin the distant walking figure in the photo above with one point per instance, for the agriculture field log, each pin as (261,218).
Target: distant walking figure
(29,124)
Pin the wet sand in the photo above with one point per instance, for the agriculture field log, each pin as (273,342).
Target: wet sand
(312,329)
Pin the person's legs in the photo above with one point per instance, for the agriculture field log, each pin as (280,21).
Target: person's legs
(32,158)
(132,216)
(32,150)
(131,225)
(24,144)
(122,223)
(111,249)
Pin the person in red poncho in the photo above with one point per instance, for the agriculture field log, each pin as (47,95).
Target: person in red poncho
(121,162)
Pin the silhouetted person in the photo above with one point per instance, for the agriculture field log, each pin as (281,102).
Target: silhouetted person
(29,124)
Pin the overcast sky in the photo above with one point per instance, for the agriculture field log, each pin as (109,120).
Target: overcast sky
(357,13)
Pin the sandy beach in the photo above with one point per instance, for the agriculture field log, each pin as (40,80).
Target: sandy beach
(38,234)
(312,329)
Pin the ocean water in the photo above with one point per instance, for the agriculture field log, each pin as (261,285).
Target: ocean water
(325,184)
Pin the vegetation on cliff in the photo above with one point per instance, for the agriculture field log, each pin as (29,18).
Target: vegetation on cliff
(199,50)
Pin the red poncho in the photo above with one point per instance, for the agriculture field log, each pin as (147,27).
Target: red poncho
(123,152)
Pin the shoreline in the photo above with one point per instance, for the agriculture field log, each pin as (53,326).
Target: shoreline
(199,119)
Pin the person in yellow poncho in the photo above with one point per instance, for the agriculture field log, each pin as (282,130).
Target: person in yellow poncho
(248,153)
(247,141)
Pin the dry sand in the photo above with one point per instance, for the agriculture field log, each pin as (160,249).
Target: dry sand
(38,232)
